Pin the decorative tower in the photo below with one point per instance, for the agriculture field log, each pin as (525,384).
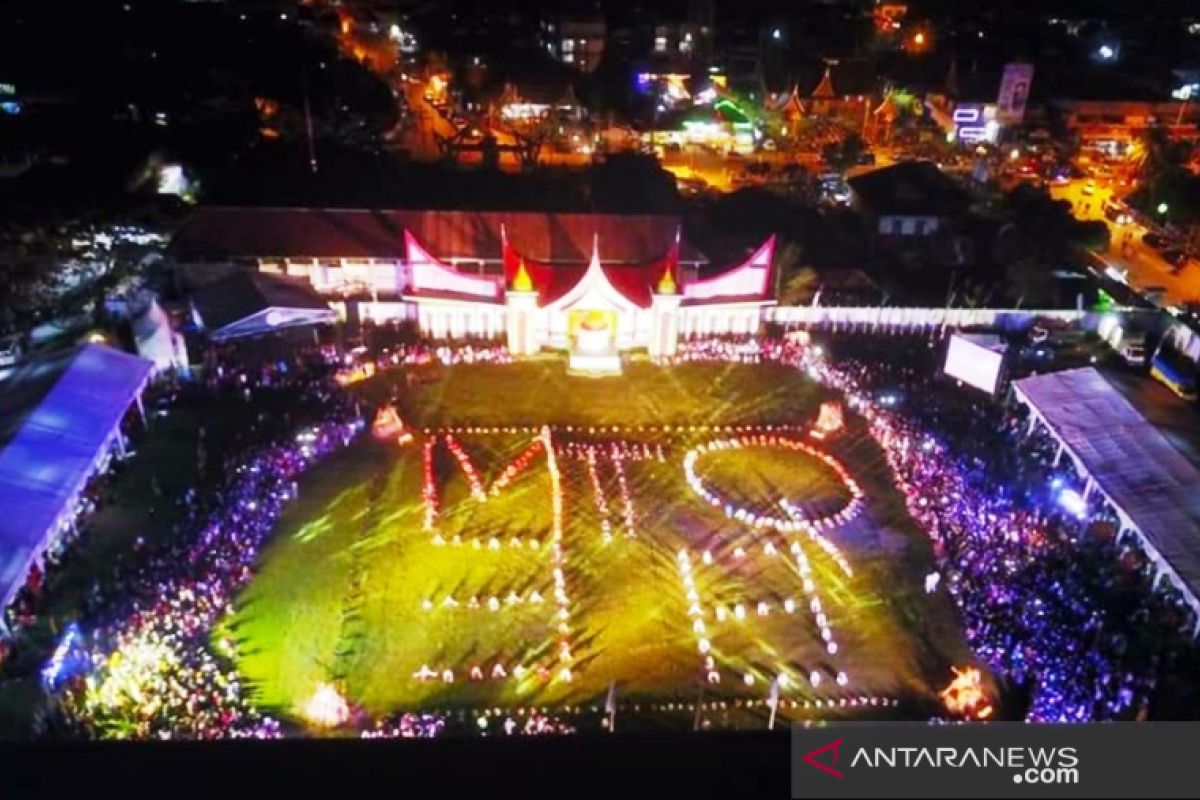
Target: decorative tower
(520,302)
(664,309)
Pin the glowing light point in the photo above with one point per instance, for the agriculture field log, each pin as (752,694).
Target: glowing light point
(814,678)
(327,708)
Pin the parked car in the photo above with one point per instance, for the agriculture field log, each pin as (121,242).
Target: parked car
(12,350)
(1133,349)
(1155,240)
(1118,213)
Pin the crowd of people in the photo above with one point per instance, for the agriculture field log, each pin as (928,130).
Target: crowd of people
(1061,612)
(1049,599)
(426,726)
(150,667)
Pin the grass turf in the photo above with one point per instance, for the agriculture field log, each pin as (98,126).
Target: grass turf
(340,592)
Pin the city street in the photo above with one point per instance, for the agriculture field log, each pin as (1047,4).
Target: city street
(1143,267)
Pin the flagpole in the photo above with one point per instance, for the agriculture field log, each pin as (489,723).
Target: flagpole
(773,702)
(610,705)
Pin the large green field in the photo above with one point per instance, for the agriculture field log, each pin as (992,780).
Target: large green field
(355,590)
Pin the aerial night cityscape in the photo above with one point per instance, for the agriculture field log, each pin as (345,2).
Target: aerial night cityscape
(747,399)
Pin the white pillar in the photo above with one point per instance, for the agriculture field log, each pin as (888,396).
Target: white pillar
(664,325)
(519,313)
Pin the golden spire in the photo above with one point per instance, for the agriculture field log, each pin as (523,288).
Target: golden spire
(521,281)
(666,284)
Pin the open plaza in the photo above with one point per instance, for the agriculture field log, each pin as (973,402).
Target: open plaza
(413,541)
(538,538)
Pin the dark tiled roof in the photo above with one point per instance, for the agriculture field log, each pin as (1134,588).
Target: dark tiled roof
(230,232)
(916,187)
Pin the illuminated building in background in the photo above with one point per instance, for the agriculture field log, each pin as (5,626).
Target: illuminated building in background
(907,199)
(578,41)
(533,280)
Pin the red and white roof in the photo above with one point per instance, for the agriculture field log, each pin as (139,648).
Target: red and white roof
(622,287)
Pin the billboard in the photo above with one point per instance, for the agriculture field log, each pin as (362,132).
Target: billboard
(976,360)
(975,122)
(1014,92)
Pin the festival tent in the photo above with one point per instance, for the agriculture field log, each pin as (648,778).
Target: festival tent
(59,418)
(157,339)
(249,303)
(1153,487)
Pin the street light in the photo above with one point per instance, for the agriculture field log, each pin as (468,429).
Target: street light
(1162,208)
(1106,52)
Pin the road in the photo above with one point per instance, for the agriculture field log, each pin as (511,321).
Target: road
(1143,267)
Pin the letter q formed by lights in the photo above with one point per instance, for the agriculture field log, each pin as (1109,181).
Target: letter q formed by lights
(791,522)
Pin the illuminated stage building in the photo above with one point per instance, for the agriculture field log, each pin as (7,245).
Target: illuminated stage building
(594,285)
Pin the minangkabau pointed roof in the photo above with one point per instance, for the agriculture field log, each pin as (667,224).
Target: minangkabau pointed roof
(792,106)
(824,90)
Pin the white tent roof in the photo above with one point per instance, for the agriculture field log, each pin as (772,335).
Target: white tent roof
(1132,463)
(57,416)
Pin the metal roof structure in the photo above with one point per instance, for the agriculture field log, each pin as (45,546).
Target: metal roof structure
(250,303)
(1154,488)
(60,415)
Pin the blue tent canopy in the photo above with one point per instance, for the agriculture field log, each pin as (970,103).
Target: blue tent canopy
(58,417)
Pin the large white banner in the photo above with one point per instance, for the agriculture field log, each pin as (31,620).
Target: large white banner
(976,361)
(1014,92)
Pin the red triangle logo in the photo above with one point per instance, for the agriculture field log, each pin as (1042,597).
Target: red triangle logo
(810,758)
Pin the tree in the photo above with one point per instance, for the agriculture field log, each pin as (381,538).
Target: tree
(631,182)
(800,287)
